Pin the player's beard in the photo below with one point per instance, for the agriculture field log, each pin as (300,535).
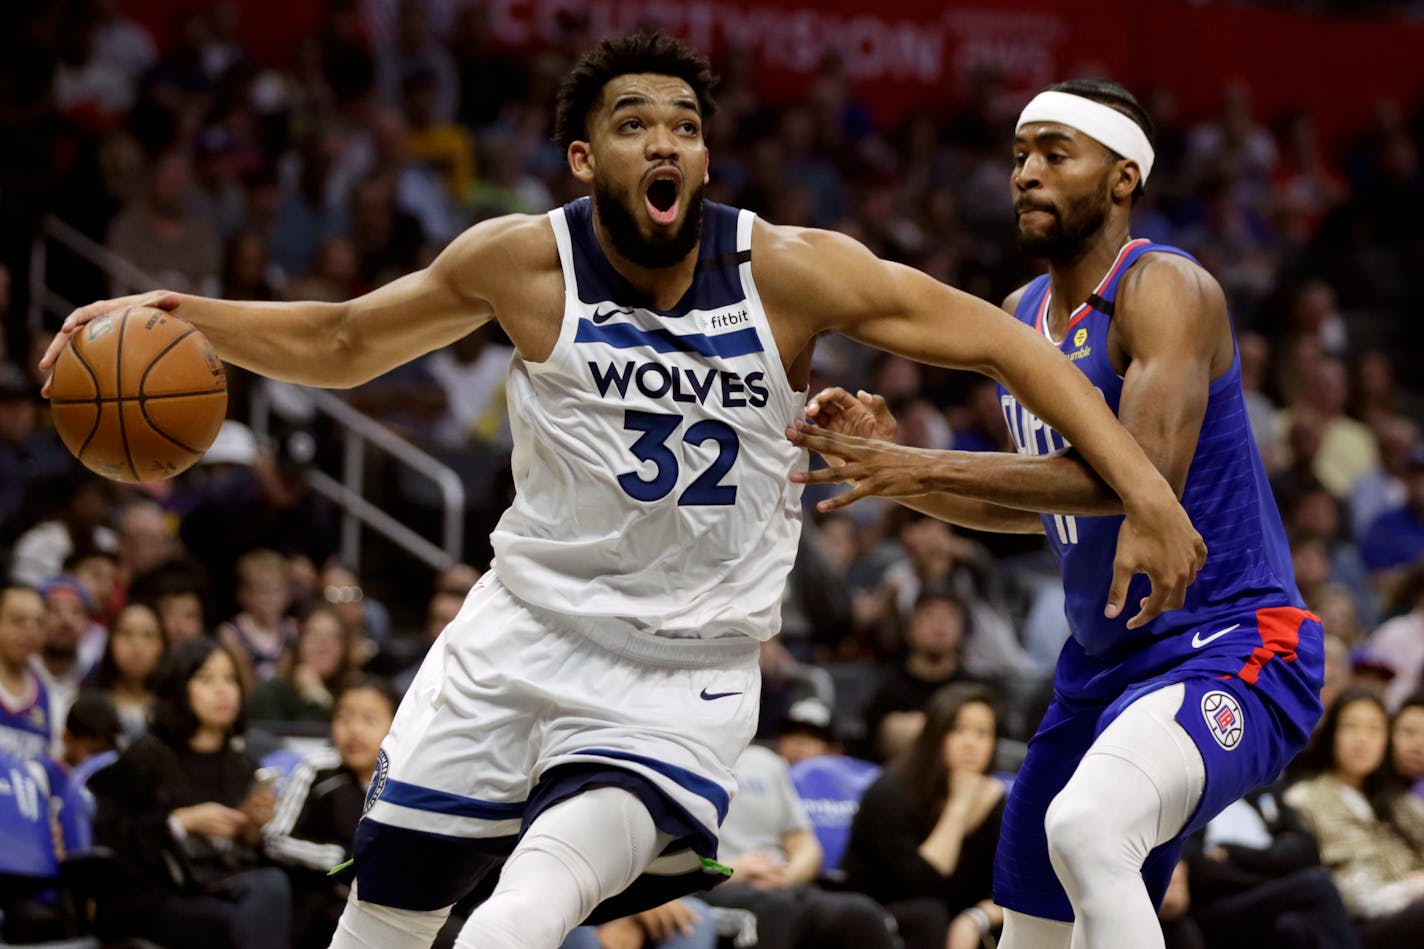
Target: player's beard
(1068,236)
(620,220)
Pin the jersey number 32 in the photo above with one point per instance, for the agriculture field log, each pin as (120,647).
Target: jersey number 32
(651,446)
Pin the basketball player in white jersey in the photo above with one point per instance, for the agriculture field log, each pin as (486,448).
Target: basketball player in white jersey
(583,713)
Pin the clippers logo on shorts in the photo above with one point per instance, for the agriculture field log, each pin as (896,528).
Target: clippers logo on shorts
(1223,718)
(378,781)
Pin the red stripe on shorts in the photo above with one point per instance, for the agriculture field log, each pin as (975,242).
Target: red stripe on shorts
(1279,628)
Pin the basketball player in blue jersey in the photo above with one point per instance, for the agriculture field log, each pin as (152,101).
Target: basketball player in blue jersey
(26,727)
(584,711)
(1152,730)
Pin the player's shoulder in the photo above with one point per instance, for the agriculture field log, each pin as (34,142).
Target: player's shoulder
(501,253)
(1171,276)
(515,234)
(803,260)
(1011,302)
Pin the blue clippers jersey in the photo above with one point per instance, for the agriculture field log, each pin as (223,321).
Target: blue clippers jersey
(25,732)
(1227,495)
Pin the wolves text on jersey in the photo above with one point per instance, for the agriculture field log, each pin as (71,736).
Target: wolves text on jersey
(656,380)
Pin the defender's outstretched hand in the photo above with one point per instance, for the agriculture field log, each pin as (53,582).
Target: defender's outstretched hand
(836,410)
(160,299)
(873,466)
(1163,544)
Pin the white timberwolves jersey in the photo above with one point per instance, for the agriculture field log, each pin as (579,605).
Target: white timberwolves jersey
(650,455)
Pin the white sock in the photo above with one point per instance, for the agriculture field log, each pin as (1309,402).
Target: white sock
(576,854)
(1134,789)
(1034,932)
(372,926)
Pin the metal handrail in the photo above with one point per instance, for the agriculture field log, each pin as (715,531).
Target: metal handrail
(127,277)
(361,429)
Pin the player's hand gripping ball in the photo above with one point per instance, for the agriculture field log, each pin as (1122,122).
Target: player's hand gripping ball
(138,395)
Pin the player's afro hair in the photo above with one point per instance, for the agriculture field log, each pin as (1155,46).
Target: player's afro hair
(647,51)
(1114,96)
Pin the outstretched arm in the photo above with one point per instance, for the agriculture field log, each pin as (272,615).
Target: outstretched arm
(1175,332)
(833,283)
(338,345)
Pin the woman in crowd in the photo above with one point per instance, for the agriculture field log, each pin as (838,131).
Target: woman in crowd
(320,805)
(305,690)
(924,838)
(125,673)
(184,812)
(1408,742)
(1370,829)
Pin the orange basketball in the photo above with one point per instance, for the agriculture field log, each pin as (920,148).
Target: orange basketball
(138,395)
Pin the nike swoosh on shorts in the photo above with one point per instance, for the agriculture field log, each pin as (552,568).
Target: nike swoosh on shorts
(1198,642)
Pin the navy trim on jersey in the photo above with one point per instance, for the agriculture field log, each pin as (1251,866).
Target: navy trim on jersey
(627,336)
(716,282)
(443,802)
(695,783)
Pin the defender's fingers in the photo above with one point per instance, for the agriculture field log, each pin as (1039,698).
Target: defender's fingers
(1117,591)
(861,489)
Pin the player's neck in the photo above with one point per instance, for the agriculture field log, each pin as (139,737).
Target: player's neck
(662,286)
(15,679)
(1073,281)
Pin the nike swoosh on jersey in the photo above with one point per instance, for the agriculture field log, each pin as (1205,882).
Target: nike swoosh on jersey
(600,315)
(709,696)
(1198,642)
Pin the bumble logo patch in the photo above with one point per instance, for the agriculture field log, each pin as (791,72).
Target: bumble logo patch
(1080,337)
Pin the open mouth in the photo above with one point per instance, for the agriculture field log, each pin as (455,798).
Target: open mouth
(662,200)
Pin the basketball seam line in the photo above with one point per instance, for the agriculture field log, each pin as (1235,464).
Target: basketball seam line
(139,398)
(119,385)
(143,380)
(99,408)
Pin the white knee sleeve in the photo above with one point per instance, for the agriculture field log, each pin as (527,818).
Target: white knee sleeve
(1135,789)
(372,926)
(1033,932)
(577,854)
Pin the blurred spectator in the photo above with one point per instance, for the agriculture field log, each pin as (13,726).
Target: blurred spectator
(441,611)
(471,373)
(807,731)
(490,76)
(1348,449)
(413,50)
(217,192)
(246,273)
(1382,488)
(319,668)
(41,551)
(27,726)
(334,276)
(1399,642)
(1370,829)
(442,146)
(262,633)
(1255,353)
(1407,738)
(1179,930)
(366,618)
(767,840)
(1257,882)
(1310,556)
(934,646)
(1396,538)
(182,812)
(315,820)
(146,539)
(686,923)
(120,41)
(1315,511)
(388,239)
(29,456)
(125,674)
(97,570)
(91,729)
(163,235)
(1337,668)
(1314,313)
(175,591)
(927,829)
(59,663)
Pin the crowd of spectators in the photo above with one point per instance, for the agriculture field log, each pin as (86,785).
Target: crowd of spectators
(355,161)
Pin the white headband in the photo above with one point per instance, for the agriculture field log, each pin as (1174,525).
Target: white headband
(1102,123)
